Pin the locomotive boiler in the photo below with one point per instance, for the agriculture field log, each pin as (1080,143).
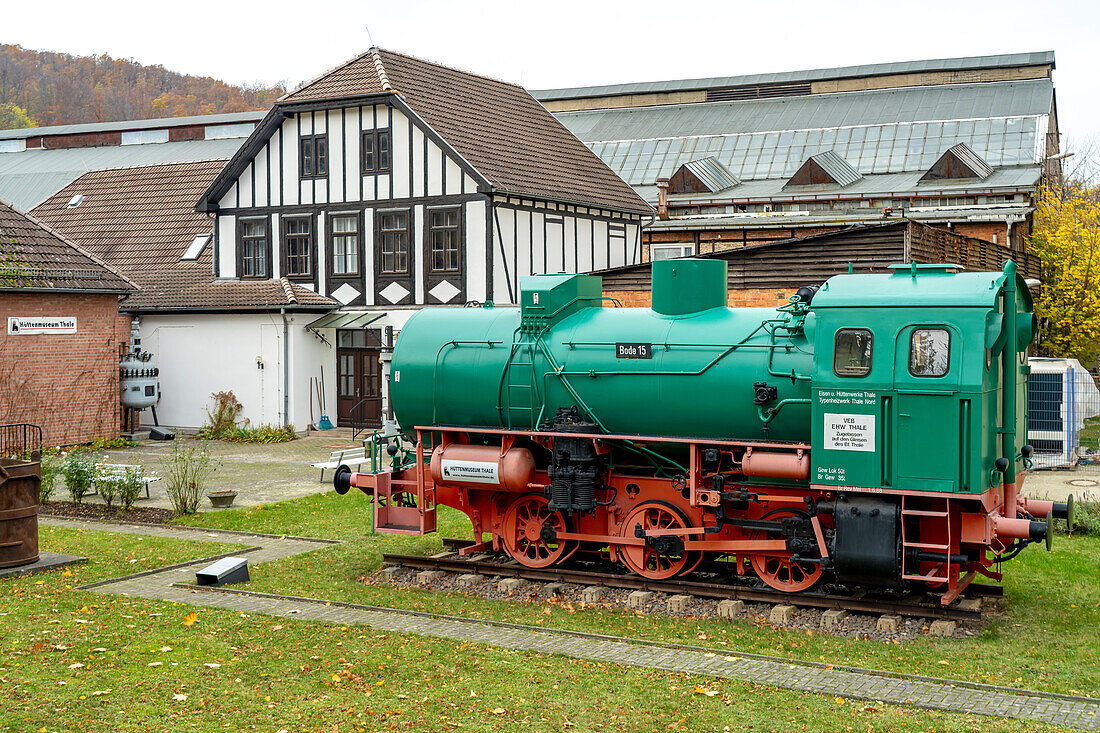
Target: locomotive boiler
(870,432)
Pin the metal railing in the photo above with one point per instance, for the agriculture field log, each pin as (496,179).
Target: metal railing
(20,439)
(357,416)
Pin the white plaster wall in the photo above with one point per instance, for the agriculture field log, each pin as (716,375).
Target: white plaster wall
(201,354)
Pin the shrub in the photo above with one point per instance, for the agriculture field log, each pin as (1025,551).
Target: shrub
(108,484)
(223,418)
(109,443)
(79,471)
(130,486)
(51,463)
(1087,515)
(187,469)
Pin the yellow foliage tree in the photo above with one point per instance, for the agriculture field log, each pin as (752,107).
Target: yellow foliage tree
(1066,238)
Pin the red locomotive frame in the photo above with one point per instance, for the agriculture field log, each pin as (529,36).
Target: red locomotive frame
(660,527)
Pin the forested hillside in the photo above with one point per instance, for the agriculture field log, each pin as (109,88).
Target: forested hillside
(47,88)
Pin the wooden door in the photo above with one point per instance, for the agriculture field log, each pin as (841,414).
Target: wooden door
(358,381)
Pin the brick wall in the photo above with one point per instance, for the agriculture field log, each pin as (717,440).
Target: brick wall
(66,383)
(749,298)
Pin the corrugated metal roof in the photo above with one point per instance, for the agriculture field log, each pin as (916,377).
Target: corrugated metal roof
(712,174)
(840,72)
(905,184)
(29,177)
(160,122)
(876,132)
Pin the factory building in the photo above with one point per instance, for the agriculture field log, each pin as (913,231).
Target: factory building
(62,334)
(960,144)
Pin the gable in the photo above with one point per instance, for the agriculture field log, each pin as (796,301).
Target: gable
(826,168)
(706,175)
(958,162)
(421,164)
(498,128)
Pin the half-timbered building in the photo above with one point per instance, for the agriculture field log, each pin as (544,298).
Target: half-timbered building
(391,183)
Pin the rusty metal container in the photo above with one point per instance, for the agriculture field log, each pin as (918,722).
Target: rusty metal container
(19,482)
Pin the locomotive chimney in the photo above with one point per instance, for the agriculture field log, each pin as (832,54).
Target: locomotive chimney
(688,286)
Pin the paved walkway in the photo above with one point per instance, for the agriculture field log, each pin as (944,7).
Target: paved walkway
(261,474)
(923,692)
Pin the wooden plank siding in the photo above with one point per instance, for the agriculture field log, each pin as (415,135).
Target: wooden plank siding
(790,264)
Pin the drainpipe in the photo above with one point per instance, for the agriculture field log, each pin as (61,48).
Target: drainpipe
(286,368)
(662,199)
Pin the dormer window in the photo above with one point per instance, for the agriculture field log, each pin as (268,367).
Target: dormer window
(824,169)
(314,156)
(958,162)
(705,175)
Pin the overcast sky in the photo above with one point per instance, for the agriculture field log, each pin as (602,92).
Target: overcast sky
(568,43)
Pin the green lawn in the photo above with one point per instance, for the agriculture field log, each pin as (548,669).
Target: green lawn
(1046,640)
(76,661)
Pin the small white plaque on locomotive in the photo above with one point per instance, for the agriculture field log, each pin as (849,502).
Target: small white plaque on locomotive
(844,431)
(476,472)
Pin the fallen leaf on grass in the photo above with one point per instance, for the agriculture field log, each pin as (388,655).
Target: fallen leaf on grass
(98,649)
(75,665)
(700,690)
(101,692)
(497,711)
(154,664)
(190,619)
(211,665)
(179,696)
(166,648)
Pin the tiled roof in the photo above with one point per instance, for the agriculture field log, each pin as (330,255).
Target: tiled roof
(33,256)
(190,287)
(142,220)
(498,127)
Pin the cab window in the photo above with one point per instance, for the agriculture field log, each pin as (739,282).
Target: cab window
(929,352)
(852,352)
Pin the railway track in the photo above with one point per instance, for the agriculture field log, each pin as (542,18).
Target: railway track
(911,607)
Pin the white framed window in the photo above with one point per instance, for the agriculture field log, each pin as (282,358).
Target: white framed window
(670,251)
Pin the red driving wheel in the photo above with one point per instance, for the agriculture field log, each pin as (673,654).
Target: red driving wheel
(648,561)
(522,532)
(779,571)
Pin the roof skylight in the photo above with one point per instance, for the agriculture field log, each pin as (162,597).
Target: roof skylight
(198,244)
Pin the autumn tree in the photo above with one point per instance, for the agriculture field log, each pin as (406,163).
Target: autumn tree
(49,88)
(13,117)
(1066,238)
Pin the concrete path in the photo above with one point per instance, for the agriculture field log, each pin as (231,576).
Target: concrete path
(260,474)
(924,692)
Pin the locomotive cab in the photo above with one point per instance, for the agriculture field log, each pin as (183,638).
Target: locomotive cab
(910,405)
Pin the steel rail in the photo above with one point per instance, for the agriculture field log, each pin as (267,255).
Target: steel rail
(974,589)
(859,604)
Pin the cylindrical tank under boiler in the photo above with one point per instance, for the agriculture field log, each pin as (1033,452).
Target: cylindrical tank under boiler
(482,466)
(19,484)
